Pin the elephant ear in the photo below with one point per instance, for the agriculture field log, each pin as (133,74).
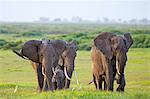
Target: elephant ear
(30,50)
(128,40)
(73,44)
(59,46)
(102,42)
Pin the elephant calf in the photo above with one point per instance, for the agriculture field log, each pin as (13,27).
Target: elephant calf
(58,78)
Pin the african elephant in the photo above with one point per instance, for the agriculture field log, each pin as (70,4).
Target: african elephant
(58,78)
(46,53)
(66,60)
(109,56)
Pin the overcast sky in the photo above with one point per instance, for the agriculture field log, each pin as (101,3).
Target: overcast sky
(30,10)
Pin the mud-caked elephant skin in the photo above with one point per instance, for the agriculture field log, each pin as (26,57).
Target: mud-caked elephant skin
(109,56)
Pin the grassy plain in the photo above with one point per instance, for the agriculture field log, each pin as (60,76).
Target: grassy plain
(15,71)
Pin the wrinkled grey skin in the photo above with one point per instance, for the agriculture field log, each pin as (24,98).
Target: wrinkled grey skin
(109,56)
(58,78)
(46,54)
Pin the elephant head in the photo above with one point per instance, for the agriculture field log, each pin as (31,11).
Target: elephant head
(67,60)
(113,48)
(46,53)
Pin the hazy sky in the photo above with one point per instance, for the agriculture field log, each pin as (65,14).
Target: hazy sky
(29,10)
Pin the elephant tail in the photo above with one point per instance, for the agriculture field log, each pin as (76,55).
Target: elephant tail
(19,54)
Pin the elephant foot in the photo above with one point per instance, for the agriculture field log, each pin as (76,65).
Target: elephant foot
(120,89)
(39,89)
(45,89)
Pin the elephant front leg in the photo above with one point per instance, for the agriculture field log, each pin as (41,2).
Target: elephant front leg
(122,83)
(67,82)
(100,82)
(40,77)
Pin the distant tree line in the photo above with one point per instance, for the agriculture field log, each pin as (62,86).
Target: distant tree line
(104,20)
(84,41)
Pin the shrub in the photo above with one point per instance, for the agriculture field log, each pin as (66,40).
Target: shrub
(9,45)
(2,43)
(31,34)
(141,41)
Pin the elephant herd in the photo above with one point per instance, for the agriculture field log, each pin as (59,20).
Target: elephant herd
(54,61)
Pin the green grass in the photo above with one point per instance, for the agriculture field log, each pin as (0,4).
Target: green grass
(15,71)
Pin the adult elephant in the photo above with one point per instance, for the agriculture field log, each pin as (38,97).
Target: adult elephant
(66,60)
(46,53)
(109,56)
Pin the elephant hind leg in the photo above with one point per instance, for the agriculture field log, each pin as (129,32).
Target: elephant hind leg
(122,84)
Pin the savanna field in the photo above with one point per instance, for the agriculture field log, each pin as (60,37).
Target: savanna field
(17,72)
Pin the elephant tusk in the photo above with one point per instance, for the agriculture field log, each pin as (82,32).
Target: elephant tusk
(76,77)
(43,71)
(117,67)
(66,74)
(53,70)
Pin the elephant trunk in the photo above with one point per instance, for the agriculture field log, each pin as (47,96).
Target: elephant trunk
(120,66)
(66,73)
